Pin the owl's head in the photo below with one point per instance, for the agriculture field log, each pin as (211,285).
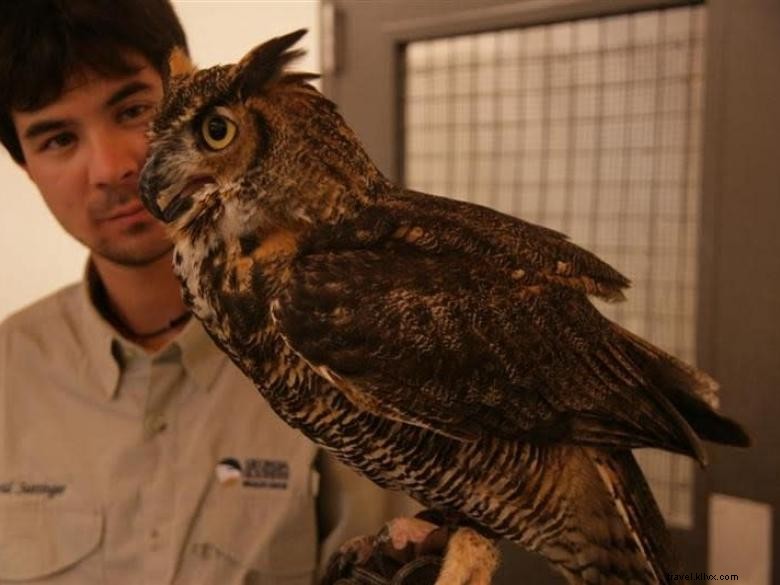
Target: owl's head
(237,147)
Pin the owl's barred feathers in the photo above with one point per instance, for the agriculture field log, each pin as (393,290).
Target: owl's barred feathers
(438,347)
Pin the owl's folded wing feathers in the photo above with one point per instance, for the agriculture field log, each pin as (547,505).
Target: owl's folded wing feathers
(457,319)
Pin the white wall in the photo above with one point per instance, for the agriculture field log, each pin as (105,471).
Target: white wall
(37,255)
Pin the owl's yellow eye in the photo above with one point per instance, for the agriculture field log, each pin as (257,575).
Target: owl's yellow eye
(218,131)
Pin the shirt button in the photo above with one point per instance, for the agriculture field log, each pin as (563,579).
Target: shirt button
(155,424)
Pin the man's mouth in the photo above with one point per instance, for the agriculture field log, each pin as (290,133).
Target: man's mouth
(133,209)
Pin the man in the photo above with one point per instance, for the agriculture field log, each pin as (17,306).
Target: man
(132,450)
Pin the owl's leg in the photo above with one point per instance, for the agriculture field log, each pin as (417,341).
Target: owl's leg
(471,559)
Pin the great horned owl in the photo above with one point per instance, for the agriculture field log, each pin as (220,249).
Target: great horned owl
(438,347)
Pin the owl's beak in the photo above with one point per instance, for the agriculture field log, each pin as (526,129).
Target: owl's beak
(151,205)
(169,205)
(166,205)
(169,202)
(165,201)
(149,185)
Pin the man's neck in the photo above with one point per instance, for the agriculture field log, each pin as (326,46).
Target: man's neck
(142,299)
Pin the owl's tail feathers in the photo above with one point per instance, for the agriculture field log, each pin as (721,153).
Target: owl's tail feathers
(634,501)
(613,531)
(691,392)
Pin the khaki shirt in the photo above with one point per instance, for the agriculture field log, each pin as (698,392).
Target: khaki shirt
(120,467)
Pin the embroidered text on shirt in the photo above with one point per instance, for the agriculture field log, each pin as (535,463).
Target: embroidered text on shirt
(24,488)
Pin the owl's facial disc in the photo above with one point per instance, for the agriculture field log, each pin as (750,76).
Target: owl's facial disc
(169,197)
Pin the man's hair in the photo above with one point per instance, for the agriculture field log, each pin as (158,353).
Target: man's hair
(44,42)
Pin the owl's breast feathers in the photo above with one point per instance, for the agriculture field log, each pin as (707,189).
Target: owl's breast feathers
(464,321)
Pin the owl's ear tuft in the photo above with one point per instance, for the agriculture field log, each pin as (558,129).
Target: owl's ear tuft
(179,62)
(265,63)
(177,65)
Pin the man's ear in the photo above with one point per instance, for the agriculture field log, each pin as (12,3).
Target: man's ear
(23,165)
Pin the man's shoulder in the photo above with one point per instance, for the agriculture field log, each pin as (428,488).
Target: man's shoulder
(42,316)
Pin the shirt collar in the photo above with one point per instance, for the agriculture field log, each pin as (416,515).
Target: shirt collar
(201,359)
(101,367)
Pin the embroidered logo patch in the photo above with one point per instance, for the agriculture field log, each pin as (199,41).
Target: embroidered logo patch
(254,473)
(229,471)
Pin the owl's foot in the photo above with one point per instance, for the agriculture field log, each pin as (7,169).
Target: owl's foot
(471,559)
(402,532)
(355,551)
(415,551)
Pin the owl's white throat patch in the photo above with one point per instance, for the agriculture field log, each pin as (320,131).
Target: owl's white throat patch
(240,217)
(189,257)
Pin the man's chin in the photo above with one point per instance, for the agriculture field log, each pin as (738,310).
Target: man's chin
(134,256)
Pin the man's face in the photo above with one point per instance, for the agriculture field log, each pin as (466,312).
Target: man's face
(85,151)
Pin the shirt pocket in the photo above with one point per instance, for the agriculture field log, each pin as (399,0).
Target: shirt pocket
(254,537)
(39,538)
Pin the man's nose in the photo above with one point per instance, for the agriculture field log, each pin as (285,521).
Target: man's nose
(114,158)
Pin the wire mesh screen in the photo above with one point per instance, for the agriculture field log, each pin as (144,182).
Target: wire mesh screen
(591,127)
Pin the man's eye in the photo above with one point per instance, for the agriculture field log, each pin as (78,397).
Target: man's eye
(58,141)
(133,112)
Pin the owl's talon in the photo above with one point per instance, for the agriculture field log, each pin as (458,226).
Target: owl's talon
(359,549)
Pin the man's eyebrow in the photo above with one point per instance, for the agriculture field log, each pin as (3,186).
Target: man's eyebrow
(126,91)
(43,127)
(122,93)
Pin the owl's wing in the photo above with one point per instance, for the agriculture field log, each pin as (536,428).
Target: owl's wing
(426,322)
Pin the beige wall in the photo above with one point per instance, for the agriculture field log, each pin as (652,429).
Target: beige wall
(37,256)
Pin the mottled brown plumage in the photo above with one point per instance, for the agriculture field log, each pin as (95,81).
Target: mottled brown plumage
(439,347)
